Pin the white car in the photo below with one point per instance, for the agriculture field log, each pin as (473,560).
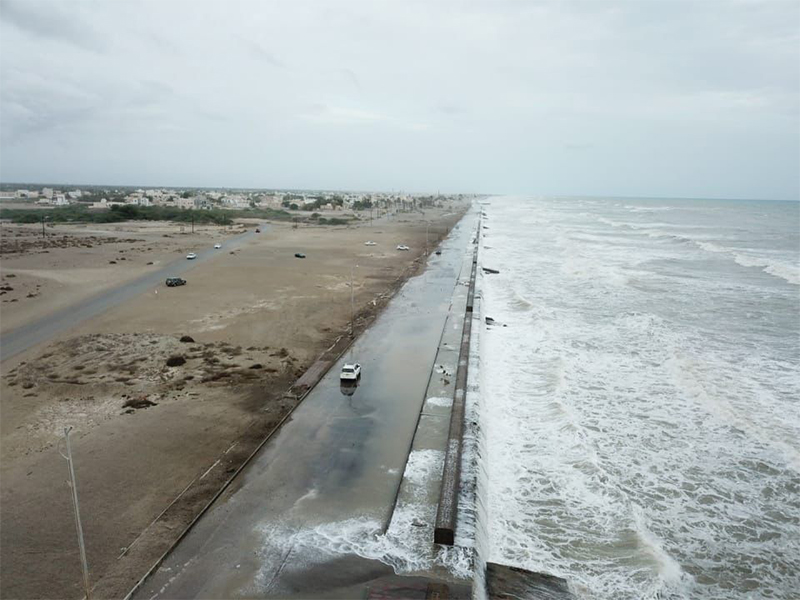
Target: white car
(351,371)
(370,243)
(191,255)
(402,247)
(217,246)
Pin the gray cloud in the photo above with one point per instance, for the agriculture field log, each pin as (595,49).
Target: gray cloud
(260,53)
(48,20)
(684,98)
(351,78)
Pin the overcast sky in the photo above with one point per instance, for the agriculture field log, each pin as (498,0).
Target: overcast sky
(651,98)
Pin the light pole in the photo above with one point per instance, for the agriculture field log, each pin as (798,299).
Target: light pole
(79,528)
(43,220)
(427,225)
(352,302)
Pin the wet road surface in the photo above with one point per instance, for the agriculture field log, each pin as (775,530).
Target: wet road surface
(21,338)
(339,459)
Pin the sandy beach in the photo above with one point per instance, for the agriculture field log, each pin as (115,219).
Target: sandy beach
(153,413)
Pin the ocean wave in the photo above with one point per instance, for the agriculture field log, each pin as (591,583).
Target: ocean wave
(787,272)
(776,268)
(624,447)
(404,545)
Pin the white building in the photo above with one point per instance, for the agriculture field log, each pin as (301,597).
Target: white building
(60,200)
(104,203)
(47,193)
(138,200)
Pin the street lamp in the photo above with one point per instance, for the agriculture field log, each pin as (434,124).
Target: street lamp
(427,226)
(77,511)
(352,301)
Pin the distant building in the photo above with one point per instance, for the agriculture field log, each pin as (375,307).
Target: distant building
(60,200)
(179,202)
(47,193)
(200,201)
(74,195)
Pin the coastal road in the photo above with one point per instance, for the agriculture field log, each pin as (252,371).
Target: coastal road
(336,464)
(21,338)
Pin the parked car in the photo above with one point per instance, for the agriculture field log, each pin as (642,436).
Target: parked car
(175,281)
(299,255)
(370,243)
(217,246)
(438,252)
(191,256)
(402,247)
(258,231)
(351,371)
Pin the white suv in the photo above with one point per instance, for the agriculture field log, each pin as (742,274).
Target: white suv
(351,372)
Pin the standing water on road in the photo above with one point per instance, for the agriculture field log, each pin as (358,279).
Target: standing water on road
(640,411)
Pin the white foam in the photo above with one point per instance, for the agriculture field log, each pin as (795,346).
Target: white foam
(405,545)
(633,439)
(787,272)
(777,268)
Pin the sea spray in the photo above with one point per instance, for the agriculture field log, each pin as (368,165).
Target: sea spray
(638,416)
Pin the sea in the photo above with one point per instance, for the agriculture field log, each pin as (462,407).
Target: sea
(638,395)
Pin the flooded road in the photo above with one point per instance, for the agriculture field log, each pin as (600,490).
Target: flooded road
(339,458)
(24,337)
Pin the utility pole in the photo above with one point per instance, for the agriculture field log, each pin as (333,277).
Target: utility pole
(79,528)
(192,221)
(43,234)
(352,303)
(427,225)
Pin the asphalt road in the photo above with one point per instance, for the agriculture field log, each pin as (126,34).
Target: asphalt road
(41,330)
(339,460)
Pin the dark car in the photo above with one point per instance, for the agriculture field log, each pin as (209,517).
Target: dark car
(258,231)
(175,281)
(299,255)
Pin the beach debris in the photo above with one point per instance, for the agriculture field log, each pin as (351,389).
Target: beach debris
(489,271)
(176,361)
(257,366)
(187,339)
(141,402)
(491,321)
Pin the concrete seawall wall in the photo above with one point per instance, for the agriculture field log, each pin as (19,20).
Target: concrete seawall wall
(447,512)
